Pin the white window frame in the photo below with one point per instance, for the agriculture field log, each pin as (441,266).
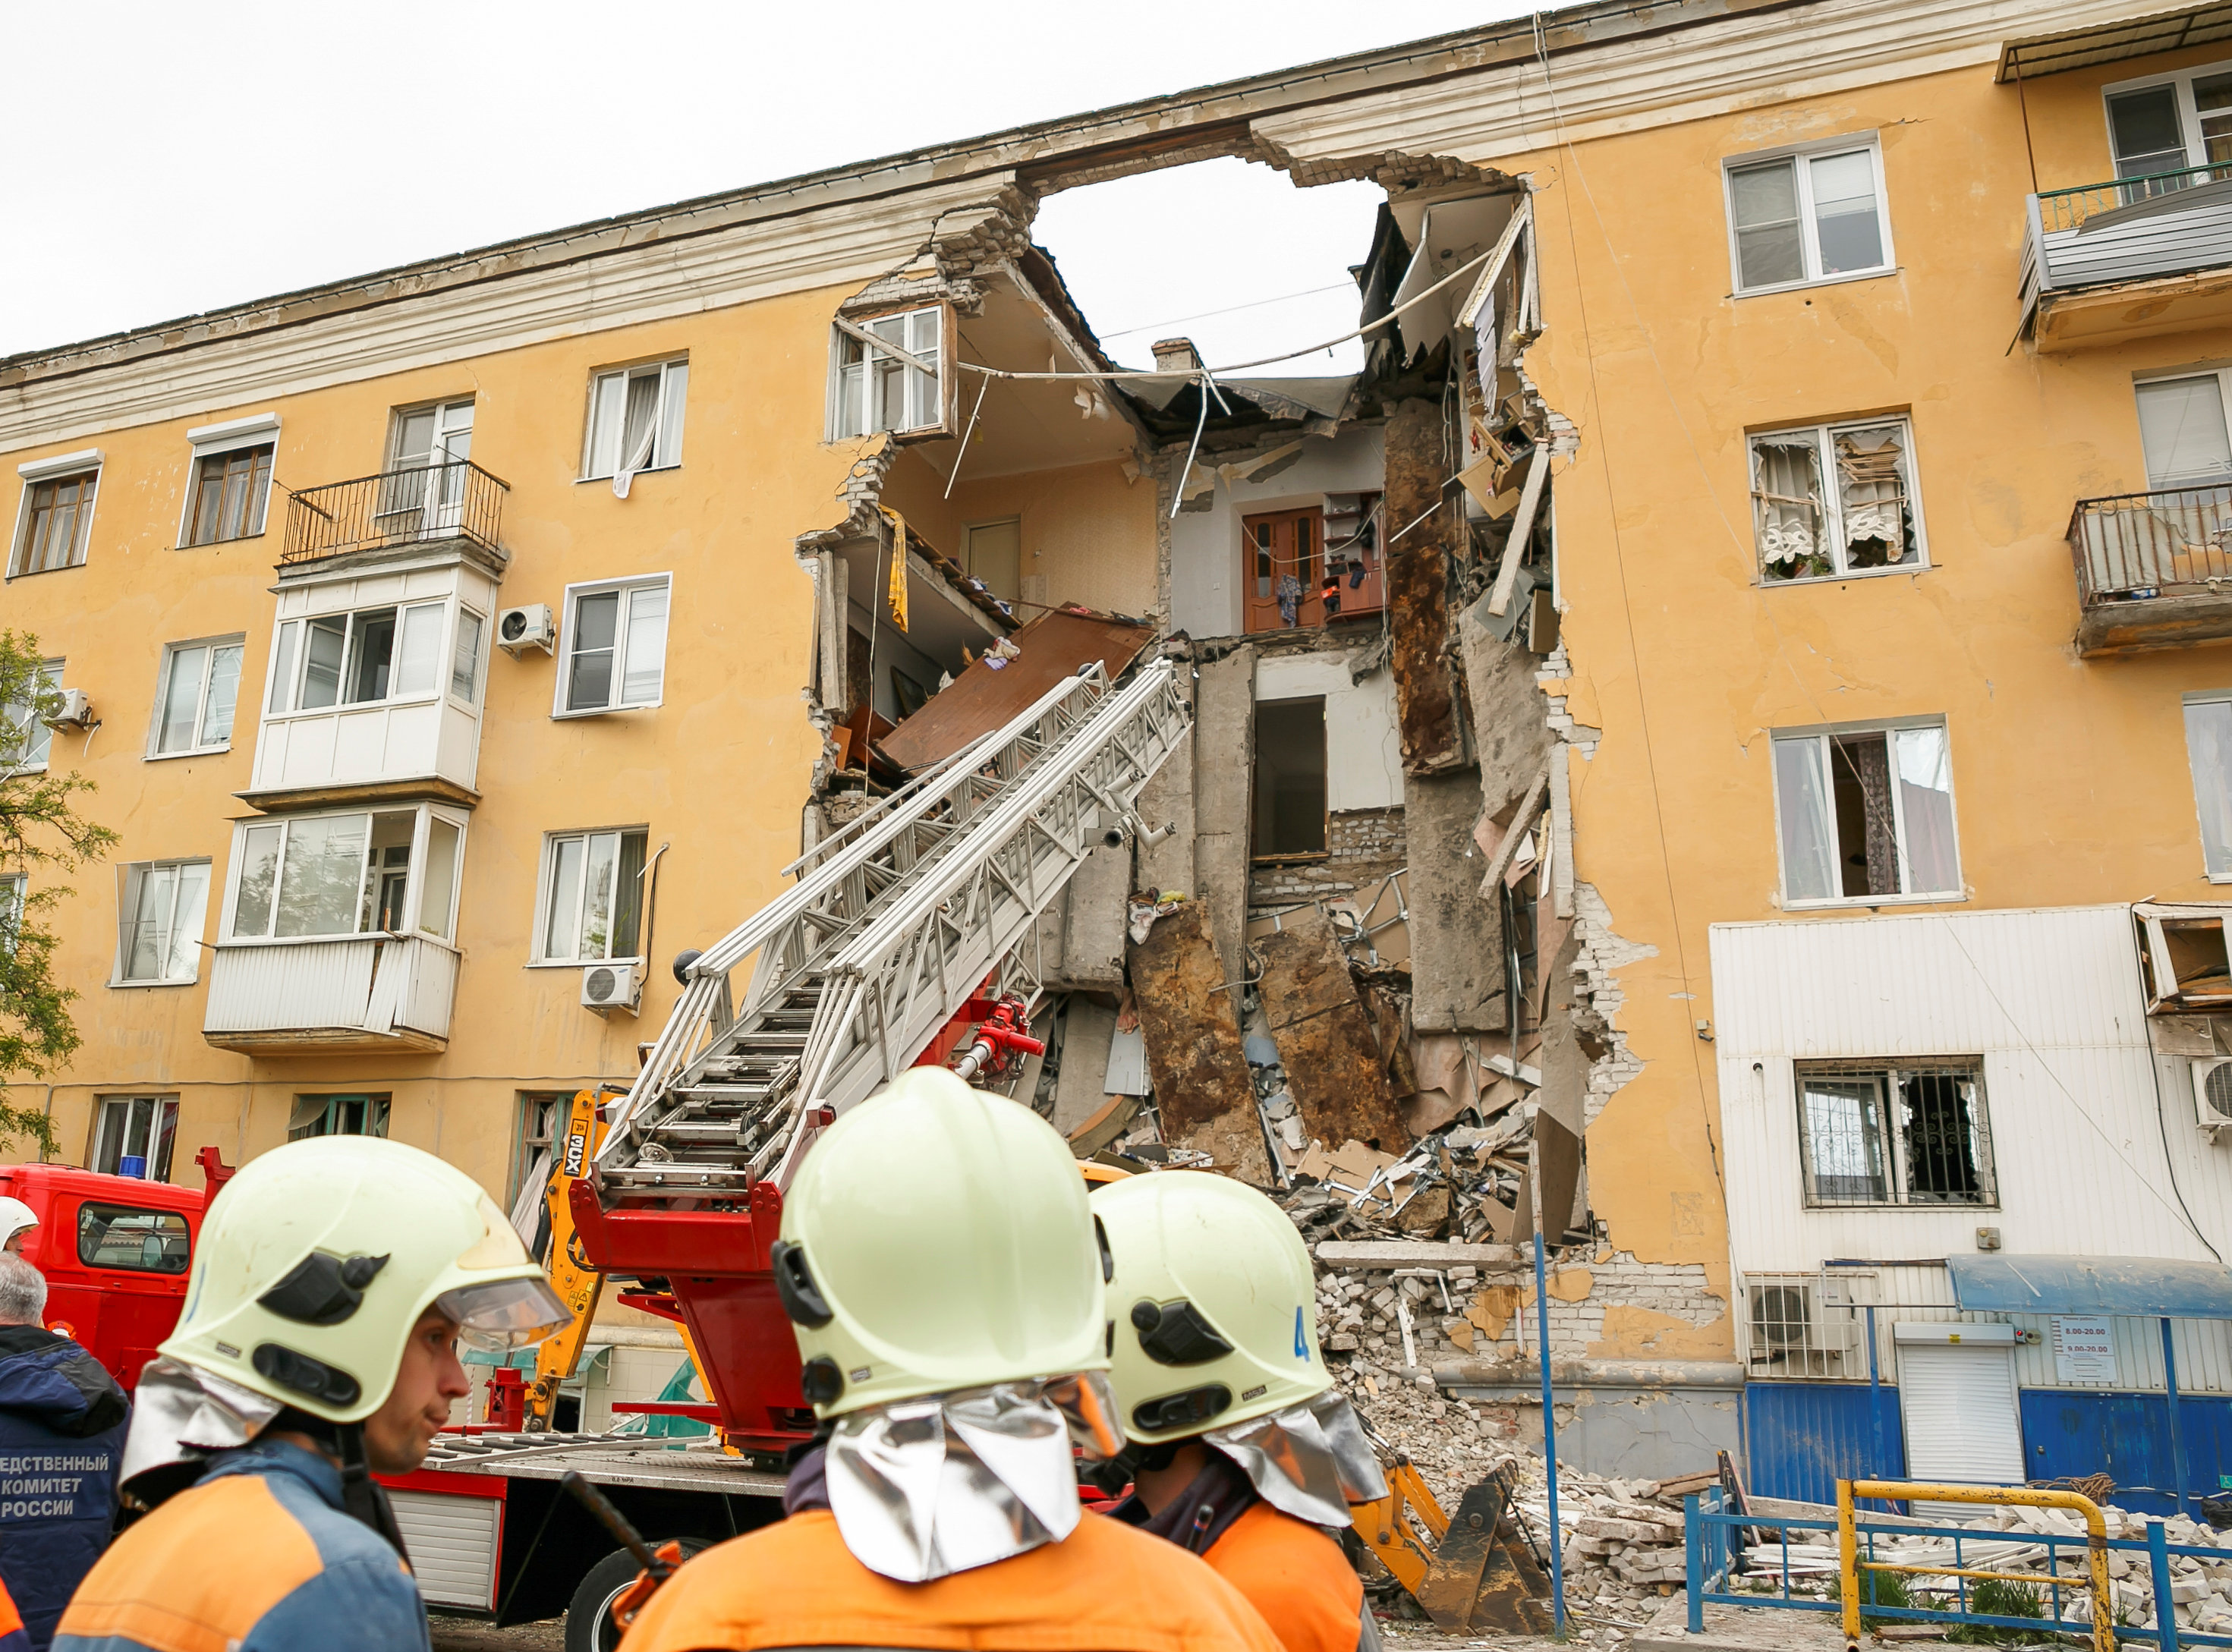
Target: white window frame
(161,1107)
(941,392)
(15,889)
(537,959)
(84,461)
(259,429)
(1809,238)
(666,423)
(1822,734)
(470,700)
(414,898)
(2189,116)
(201,747)
(128,903)
(1832,498)
(569,624)
(2223,375)
(2221,873)
(292,658)
(50,673)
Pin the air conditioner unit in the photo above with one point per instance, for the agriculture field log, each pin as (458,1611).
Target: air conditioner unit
(517,629)
(1782,1319)
(75,711)
(2212,1092)
(612,985)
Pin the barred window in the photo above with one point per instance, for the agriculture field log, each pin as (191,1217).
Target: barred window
(1878,1134)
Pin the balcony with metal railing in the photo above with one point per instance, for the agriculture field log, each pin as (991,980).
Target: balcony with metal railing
(2153,569)
(421,506)
(2131,258)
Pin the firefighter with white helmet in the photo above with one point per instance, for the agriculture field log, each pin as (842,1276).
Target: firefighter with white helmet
(940,1268)
(333,1280)
(1241,1450)
(17,1222)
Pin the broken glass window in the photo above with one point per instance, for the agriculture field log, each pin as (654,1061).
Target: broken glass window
(1868,521)
(1787,499)
(1881,1133)
(1866,815)
(1872,496)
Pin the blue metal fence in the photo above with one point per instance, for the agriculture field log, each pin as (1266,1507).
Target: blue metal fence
(1714,1557)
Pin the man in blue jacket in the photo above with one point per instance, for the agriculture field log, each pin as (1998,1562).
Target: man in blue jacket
(62,1431)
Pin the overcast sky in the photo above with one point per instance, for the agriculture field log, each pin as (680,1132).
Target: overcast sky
(195,159)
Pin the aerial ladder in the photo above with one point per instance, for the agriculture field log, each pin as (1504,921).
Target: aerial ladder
(919,916)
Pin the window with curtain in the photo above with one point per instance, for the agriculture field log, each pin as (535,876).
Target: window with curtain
(57,522)
(1894,1134)
(1866,816)
(195,696)
(1811,217)
(230,492)
(873,390)
(1830,501)
(13,887)
(635,421)
(615,653)
(159,926)
(591,897)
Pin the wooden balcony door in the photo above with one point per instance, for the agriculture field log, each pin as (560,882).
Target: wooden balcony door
(1282,547)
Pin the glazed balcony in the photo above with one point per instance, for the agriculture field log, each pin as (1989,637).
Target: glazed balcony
(2133,258)
(355,994)
(405,509)
(2153,569)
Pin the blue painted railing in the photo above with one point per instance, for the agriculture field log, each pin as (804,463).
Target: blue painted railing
(1711,1544)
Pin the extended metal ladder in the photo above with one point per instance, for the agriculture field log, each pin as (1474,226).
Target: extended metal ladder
(893,924)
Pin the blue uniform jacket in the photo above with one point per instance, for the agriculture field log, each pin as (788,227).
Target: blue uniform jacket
(257,1556)
(61,1431)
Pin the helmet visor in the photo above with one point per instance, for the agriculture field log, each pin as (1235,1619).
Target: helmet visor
(505,1313)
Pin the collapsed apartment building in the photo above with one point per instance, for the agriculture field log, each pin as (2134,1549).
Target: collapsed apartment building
(1339,950)
(1559,810)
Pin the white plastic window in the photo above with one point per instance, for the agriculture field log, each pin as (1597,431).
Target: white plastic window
(195,700)
(372,654)
(615,647)
(1866,816)
(1815,216)
(591,897)
(24,740)
(315,875)
(874,391)
(1830,501)
(159,928)
(635,419)
(2208,750)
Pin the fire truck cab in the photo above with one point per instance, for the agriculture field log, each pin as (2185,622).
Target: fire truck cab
(114,1250)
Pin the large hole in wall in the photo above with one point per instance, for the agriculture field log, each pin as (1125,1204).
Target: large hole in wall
(1229,253)
(1290,779)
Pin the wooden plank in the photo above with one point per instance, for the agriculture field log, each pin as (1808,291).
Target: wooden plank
(1055,646)
(1325,1037)
(1202,1085)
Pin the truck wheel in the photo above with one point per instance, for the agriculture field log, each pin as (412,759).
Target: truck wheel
(589,1626)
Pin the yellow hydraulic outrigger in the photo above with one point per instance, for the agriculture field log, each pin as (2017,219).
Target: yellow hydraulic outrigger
(577,1283)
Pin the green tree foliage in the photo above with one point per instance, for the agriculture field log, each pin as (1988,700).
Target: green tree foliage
(44,839)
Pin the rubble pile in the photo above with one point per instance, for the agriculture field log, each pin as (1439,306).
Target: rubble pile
(1623,1538)
(1461,1182)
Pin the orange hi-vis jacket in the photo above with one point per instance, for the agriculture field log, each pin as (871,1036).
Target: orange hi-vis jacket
(1295,1575)
(1104,1588)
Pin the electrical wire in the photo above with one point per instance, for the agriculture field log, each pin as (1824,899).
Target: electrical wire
(1210,375)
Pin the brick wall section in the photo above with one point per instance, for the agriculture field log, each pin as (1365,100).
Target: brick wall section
(1356,1315)
(1363,846)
